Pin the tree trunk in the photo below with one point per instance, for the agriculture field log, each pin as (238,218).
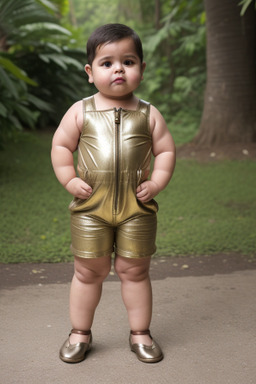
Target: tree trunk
(157,14)
(72,15)
(229,113)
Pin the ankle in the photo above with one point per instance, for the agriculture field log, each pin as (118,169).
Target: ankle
(77,336)
(74,339)
(142,337)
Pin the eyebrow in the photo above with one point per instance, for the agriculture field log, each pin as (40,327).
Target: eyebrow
(126,56)
(104,58)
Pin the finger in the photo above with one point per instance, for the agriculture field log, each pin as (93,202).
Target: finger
(87,191)
(144,199)
(139,188)
(86,187)
(142,193)
(87,194)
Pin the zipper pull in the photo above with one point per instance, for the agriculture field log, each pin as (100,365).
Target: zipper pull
(117,116)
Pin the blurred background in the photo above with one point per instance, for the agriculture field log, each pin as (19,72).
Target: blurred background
(200,74)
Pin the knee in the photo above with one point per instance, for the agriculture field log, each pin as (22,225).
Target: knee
(135,271)
(91,272)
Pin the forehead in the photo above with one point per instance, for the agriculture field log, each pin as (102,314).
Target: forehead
(120,46)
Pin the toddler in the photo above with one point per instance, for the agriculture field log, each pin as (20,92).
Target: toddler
(113,208)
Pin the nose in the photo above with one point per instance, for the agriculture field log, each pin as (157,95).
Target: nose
(119,68)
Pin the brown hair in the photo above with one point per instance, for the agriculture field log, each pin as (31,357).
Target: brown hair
(109,33)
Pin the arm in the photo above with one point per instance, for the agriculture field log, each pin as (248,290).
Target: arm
(164,153)
(64,143)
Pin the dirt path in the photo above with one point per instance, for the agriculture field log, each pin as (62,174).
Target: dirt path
(14,275)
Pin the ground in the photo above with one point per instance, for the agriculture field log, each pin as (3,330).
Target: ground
(14,275)
(235,151)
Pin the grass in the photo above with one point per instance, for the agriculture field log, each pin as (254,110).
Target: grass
(209,208)
(206,209)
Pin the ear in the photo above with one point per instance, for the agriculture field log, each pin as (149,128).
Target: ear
(88,70)
(143,66)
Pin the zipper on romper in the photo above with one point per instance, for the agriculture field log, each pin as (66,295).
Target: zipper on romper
(117,156)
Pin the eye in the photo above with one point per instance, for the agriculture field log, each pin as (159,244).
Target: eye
(107,64)
(128,62)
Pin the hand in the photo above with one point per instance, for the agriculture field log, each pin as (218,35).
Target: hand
(78,188)
(147,191)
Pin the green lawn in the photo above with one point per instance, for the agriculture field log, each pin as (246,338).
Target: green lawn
(206,209)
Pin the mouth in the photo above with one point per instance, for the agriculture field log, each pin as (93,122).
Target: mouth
(119,80)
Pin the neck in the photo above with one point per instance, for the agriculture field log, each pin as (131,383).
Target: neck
(106,102)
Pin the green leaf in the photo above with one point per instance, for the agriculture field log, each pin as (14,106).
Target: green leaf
(203,18)
(50,27)
(8,83)
(15,123)
(26,115)
(52,57)
(61,60)
(48,5)
(40,104)
(154,41)
(16,71)
(245,4)
(3,110)
(53,47)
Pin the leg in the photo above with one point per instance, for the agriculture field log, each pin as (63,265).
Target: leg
(85,293)
(136,294)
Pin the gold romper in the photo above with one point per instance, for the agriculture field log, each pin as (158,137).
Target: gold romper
(114,155)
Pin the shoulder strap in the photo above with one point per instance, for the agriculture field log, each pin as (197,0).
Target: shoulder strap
(88,104)
(144,107)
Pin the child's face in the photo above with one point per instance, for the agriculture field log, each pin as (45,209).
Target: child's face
(116,70)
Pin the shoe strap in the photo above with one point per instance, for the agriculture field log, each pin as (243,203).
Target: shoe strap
(78,332)
(138,333)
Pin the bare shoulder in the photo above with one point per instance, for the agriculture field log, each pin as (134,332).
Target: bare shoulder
(161,137)
(157,120)
(68,132)
(74,115)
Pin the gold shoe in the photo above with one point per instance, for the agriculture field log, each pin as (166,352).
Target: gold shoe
(74,353)
(146,353)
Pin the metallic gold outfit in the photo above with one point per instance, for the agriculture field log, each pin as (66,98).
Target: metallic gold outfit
(114,155)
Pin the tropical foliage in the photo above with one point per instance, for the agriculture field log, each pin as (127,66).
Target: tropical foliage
(245,4)
(173,35)
(40,71)
(42,53)
(175,50)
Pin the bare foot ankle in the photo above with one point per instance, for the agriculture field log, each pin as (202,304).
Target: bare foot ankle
(74,338)
(142,339)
